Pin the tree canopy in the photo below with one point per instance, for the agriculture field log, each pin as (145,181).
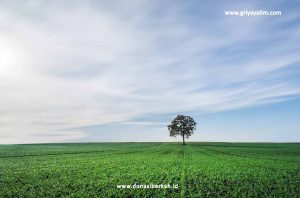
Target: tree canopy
(183,126)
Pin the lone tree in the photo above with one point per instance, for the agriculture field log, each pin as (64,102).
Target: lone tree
(182,125)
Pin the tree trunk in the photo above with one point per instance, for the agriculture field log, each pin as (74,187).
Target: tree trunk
(183,142)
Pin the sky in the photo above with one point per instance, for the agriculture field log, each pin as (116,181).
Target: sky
(102,71)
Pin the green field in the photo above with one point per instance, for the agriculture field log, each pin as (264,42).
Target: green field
(199,169)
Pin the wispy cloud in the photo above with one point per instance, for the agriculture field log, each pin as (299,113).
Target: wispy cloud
(68,66)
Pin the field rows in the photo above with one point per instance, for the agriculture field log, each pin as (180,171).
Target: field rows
(200,170)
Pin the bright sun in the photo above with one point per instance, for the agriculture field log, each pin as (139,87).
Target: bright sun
(9,56)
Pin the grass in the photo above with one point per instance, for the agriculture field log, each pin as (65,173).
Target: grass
(200,169)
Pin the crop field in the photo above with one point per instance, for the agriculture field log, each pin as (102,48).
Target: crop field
(198,169)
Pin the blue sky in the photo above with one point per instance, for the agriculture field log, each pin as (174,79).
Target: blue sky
(122,70)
